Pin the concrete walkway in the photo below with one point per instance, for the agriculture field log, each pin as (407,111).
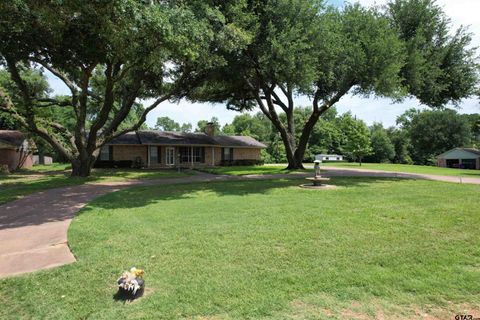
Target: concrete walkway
(33,230)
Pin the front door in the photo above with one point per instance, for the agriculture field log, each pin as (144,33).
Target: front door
(170,156)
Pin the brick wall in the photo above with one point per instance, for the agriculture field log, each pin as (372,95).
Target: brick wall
(11,157)
(129,153)
(246,154)
(441,162)
(216,156)
(132,152)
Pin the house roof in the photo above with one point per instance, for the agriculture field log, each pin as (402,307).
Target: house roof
(471,150)
(127,138)
(154,137)
(238,141)
(12,138)
(174,138)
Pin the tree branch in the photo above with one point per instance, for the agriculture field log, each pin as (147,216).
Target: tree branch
(6,105)
(106,107)
(137,125)
(58,74)
(49,102)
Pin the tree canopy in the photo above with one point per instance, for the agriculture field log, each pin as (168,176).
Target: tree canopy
(110,55)
(434,132)
(330,52)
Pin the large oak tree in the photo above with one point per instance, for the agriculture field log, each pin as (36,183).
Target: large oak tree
(301,47)
(110,55)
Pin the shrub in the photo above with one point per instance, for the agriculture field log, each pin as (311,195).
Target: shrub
(242,162)
(4,169)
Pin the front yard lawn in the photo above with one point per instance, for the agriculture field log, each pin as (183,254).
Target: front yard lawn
(39,178)
(407,168)
(385,248)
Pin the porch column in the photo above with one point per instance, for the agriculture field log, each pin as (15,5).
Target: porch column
(191,156)
(213,156)
(148,156)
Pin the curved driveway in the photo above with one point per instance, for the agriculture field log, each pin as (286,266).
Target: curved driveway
(33,230)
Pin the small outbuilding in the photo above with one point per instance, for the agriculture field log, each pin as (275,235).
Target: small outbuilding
(329,157)
(15,150)
(460,158)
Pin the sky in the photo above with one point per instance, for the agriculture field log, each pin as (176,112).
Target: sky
(372,109)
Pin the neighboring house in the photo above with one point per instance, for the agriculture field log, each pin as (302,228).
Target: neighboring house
(46,160)
(160,149)
(463,158)
(329,157)
(15,150)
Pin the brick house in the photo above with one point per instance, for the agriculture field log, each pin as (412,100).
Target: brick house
(163,149)
(15,150)
(463,158)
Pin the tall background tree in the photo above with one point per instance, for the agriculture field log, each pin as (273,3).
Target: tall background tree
(433,132)
(383,149)
(168,124)
(110,55)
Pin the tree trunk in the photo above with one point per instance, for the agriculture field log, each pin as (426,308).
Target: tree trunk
(82,166)
(294,164)
(41,156)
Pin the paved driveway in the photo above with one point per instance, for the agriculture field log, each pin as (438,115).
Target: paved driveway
(33,230)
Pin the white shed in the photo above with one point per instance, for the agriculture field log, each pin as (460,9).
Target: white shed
(329,157)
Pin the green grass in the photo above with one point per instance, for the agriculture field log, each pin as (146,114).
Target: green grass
(407,168)
(26,181)
(248,170)
(267,250)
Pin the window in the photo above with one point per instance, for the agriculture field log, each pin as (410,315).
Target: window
(170,156)
(185,154)
(106,153)
(198,154)
(192,154)
(154,153)
(227,154)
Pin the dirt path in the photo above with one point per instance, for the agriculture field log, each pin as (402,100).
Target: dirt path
(33,230)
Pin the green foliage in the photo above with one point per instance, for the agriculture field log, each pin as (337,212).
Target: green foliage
(168,124)
(383,150)
(202,125)
(440,66)
(474,123)
(356,137)
(403,49)
(110,54)
(256,126)
(432,132)
(401,143)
